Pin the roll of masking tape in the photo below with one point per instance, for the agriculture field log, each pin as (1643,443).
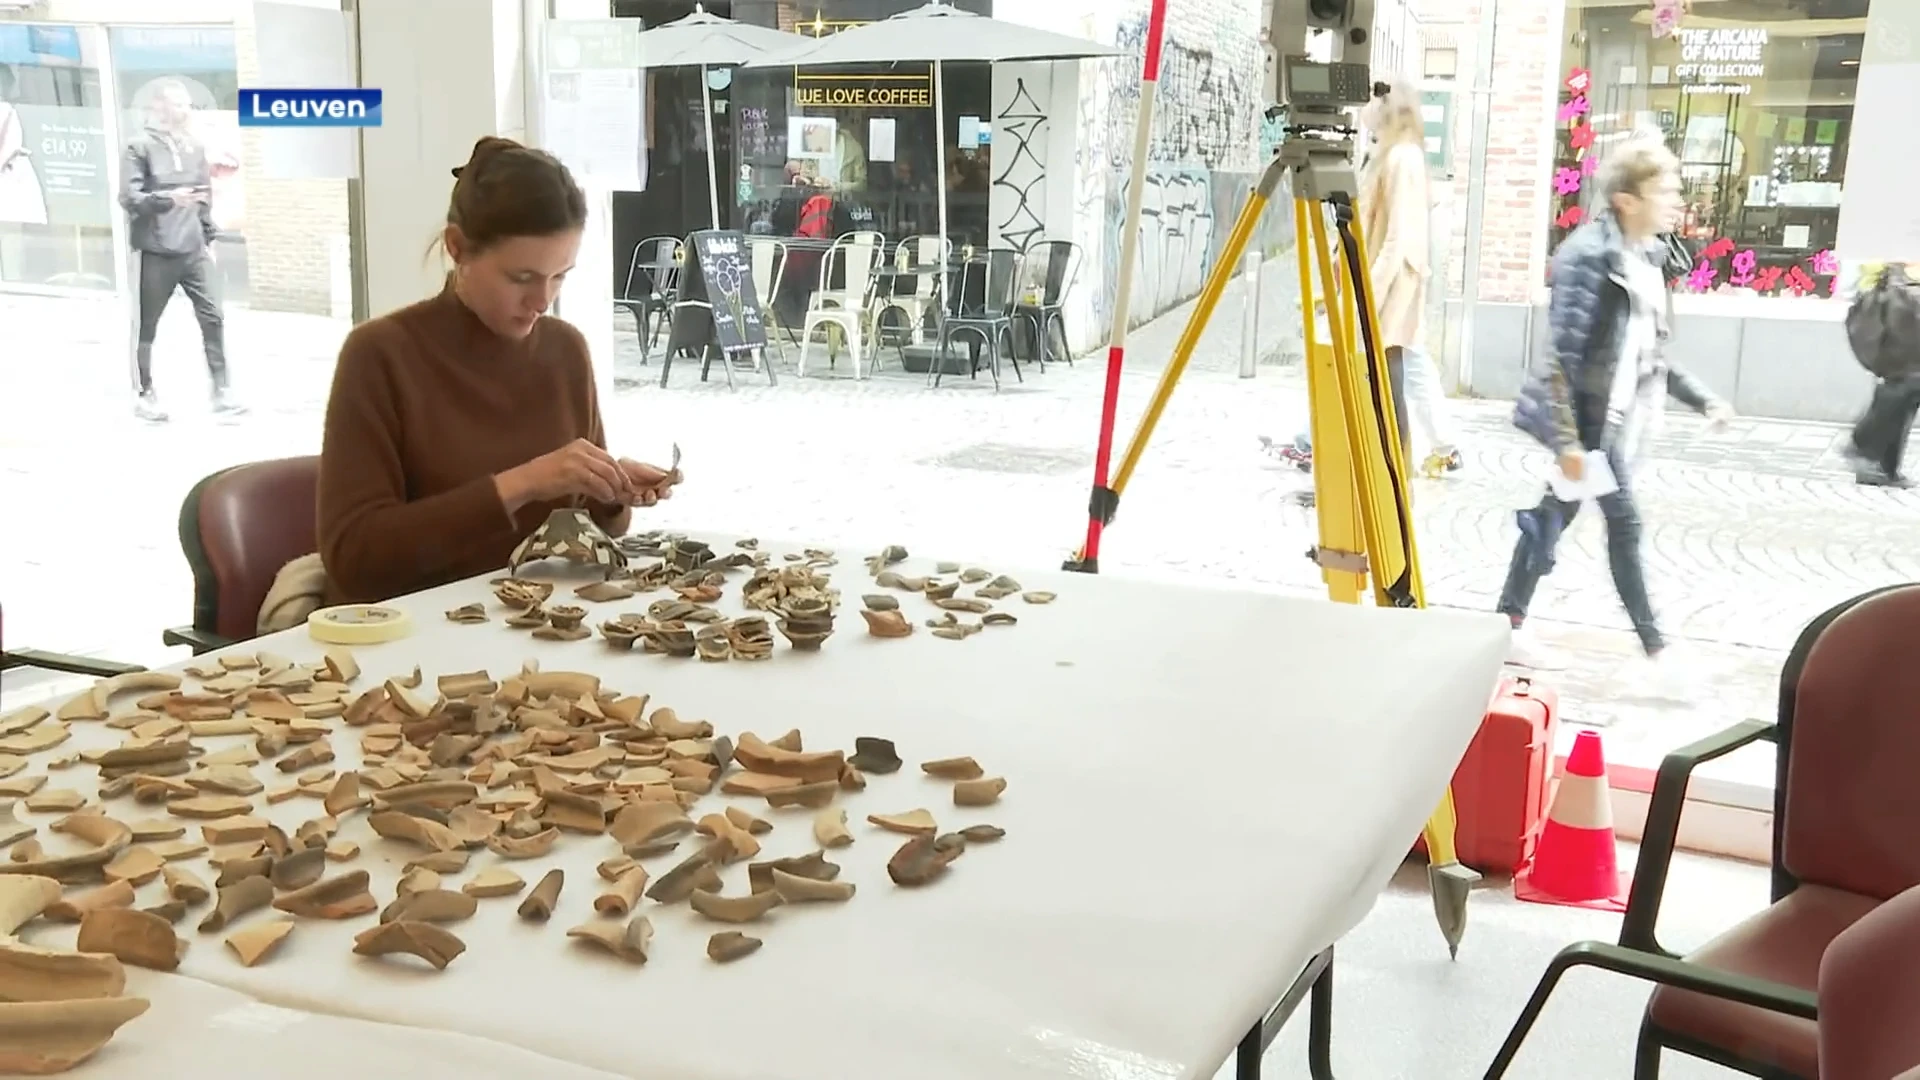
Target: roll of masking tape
(359,624)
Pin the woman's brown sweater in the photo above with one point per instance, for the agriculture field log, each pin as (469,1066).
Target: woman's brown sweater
(427,406)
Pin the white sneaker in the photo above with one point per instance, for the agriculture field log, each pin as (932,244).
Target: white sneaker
(1528,651)
(147,407)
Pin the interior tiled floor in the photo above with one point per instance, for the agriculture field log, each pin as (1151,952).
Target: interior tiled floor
(1403,1011)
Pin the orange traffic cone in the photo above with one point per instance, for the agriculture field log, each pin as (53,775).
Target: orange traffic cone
(1575,863)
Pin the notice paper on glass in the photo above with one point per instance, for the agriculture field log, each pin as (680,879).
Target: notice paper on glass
(969,131)
(592,122)
(305,46)
(880,138)
(591,109)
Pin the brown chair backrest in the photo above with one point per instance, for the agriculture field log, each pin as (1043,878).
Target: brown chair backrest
(1870,995)
(248,522)
(1852,799)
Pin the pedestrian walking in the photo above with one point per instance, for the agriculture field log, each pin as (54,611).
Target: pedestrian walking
(1883,327)
(1395,207)
(1598,396)
(167,192)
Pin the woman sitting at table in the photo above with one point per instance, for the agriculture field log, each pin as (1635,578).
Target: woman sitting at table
(458,423)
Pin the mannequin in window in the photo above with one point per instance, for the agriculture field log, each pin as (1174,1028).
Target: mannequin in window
(21,199)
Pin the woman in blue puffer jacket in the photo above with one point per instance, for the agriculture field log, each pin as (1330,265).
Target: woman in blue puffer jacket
(1597,398)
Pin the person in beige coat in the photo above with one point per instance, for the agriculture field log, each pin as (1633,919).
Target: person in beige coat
(1395,208)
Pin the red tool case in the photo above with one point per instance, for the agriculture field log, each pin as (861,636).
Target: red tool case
(1502,785)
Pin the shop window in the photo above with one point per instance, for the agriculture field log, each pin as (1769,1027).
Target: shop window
(1755,98)
(812,154)
(56,203)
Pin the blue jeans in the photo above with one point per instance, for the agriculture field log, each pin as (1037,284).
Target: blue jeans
(1533,556)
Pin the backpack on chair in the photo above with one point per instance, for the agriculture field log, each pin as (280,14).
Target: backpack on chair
(1883,324)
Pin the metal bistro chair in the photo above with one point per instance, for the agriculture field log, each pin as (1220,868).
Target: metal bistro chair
(769,263)
(1050,268)
(652,273)
(848,308)
(1845,815)
(238,527)
(991,321)
(922,260)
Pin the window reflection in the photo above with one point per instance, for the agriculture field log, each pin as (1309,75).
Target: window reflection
(56,202)
(813,154)
(1757,101)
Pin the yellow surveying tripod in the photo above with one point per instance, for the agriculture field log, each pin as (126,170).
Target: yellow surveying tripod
(1360,470)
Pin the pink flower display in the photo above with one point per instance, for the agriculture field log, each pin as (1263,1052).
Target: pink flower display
(1824,262)
(1566,181)
(1581,136)
(1799,282)
(1574,109)
(1590,165)
(1769,279)
(1700,279)
(1579,80)
(1743,265)
(1666,17)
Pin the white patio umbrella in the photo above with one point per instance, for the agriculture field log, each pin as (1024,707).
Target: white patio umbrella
(937,33)
(710,41)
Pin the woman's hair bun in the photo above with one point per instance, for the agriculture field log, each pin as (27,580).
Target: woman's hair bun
(486,149)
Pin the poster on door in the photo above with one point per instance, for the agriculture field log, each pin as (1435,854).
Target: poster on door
(55,166)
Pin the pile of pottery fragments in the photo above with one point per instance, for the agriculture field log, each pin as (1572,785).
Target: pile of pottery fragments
(796,596)
(469,766)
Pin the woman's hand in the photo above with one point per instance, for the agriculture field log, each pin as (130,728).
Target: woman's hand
(648,483)
(578,468)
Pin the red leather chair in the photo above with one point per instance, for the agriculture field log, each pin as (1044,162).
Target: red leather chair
(238,527)
(1870,996)
(1845,818)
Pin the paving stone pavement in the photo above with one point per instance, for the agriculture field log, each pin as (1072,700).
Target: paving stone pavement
(1749,533)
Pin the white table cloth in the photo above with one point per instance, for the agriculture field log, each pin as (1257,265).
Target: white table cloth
(198,1031)
(1205,789)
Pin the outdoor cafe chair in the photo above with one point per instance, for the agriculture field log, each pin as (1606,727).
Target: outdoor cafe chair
(1050,268)
(991,321)
(653,271)
(922,260)
(769,265)
(848,307)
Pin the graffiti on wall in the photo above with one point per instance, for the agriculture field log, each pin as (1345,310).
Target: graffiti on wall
(1206,111)
(1204,160)
(1018,198)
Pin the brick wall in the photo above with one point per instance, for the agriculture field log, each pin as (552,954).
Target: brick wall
(1525,71)
(292,226)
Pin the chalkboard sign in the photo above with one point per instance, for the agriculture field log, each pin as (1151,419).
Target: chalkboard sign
(720,273)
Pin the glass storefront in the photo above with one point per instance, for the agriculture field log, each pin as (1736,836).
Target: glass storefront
(1756,99)
(814,153)
(58,143)
(56,176)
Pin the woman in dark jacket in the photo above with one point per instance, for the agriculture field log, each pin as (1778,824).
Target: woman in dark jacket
(1598,401)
